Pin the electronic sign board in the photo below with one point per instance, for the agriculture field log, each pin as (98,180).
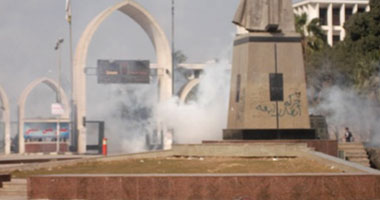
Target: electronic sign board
(123,72)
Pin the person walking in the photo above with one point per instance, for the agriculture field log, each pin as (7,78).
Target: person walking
(348,135)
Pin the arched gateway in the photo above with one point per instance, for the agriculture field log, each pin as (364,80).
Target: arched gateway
(160,44)
(4,106)
(187,89)
(22,101)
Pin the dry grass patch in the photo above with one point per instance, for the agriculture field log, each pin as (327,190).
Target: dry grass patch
(175,165)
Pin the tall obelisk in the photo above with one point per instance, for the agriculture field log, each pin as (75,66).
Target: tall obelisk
(268,88)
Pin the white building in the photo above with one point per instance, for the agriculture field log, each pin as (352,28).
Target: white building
(332,13)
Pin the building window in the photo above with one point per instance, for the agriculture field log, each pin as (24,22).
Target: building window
(323,16)
(348,13)
(336,16)
(336,39)
(238,83)
(361,10)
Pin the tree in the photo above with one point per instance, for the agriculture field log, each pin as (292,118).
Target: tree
(179,57)
(317,37)
(350,64)
(315,50)
(180,74)
(301,21)
(361,48)
(353,62)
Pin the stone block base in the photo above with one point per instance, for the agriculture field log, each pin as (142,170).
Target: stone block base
(268,134)
(329,147)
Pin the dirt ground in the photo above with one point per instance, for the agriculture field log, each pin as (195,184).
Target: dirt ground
(191,165)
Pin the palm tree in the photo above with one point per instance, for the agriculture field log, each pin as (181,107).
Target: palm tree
(301,21)
(316,36)
(313,37)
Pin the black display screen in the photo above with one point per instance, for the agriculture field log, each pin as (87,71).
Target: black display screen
(276,84)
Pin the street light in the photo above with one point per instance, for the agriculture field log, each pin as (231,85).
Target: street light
(173,46)
(58,49)
(59,42)
(58,98)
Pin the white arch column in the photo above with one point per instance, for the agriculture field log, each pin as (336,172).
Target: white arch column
(7,121)
(22,101)
(159,42)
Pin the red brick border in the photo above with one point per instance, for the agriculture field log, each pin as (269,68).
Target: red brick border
(229,187)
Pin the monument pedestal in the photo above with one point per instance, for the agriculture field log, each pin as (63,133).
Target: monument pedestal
(268,88)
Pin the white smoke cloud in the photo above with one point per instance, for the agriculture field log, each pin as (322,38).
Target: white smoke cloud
(346,108)
(131,112)
(205,118)
(128,115)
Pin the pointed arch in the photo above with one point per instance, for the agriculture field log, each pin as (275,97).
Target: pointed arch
(188,87)
(7,120)
(22,101)
(160,44)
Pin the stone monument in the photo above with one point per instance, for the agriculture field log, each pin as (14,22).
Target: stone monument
(268,87)
(265,15)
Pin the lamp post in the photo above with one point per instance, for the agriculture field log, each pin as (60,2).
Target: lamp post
(173,46)
(58,98)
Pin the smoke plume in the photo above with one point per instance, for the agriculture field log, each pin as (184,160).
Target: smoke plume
(344,107)
(205,118)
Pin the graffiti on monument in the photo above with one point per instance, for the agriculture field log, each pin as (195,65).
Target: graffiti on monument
(291,107)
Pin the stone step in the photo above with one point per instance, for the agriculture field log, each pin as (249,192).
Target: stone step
(361,163)
(7,197)
(17,188)
(358,159)
(351,147)
(354,151)
(367,164)
(12,193)
(355,154)
(13,183)
(14,188)
(349,143)
(364,160)
(17,181)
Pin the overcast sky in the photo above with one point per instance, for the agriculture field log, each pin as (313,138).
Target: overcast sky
(29,30)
